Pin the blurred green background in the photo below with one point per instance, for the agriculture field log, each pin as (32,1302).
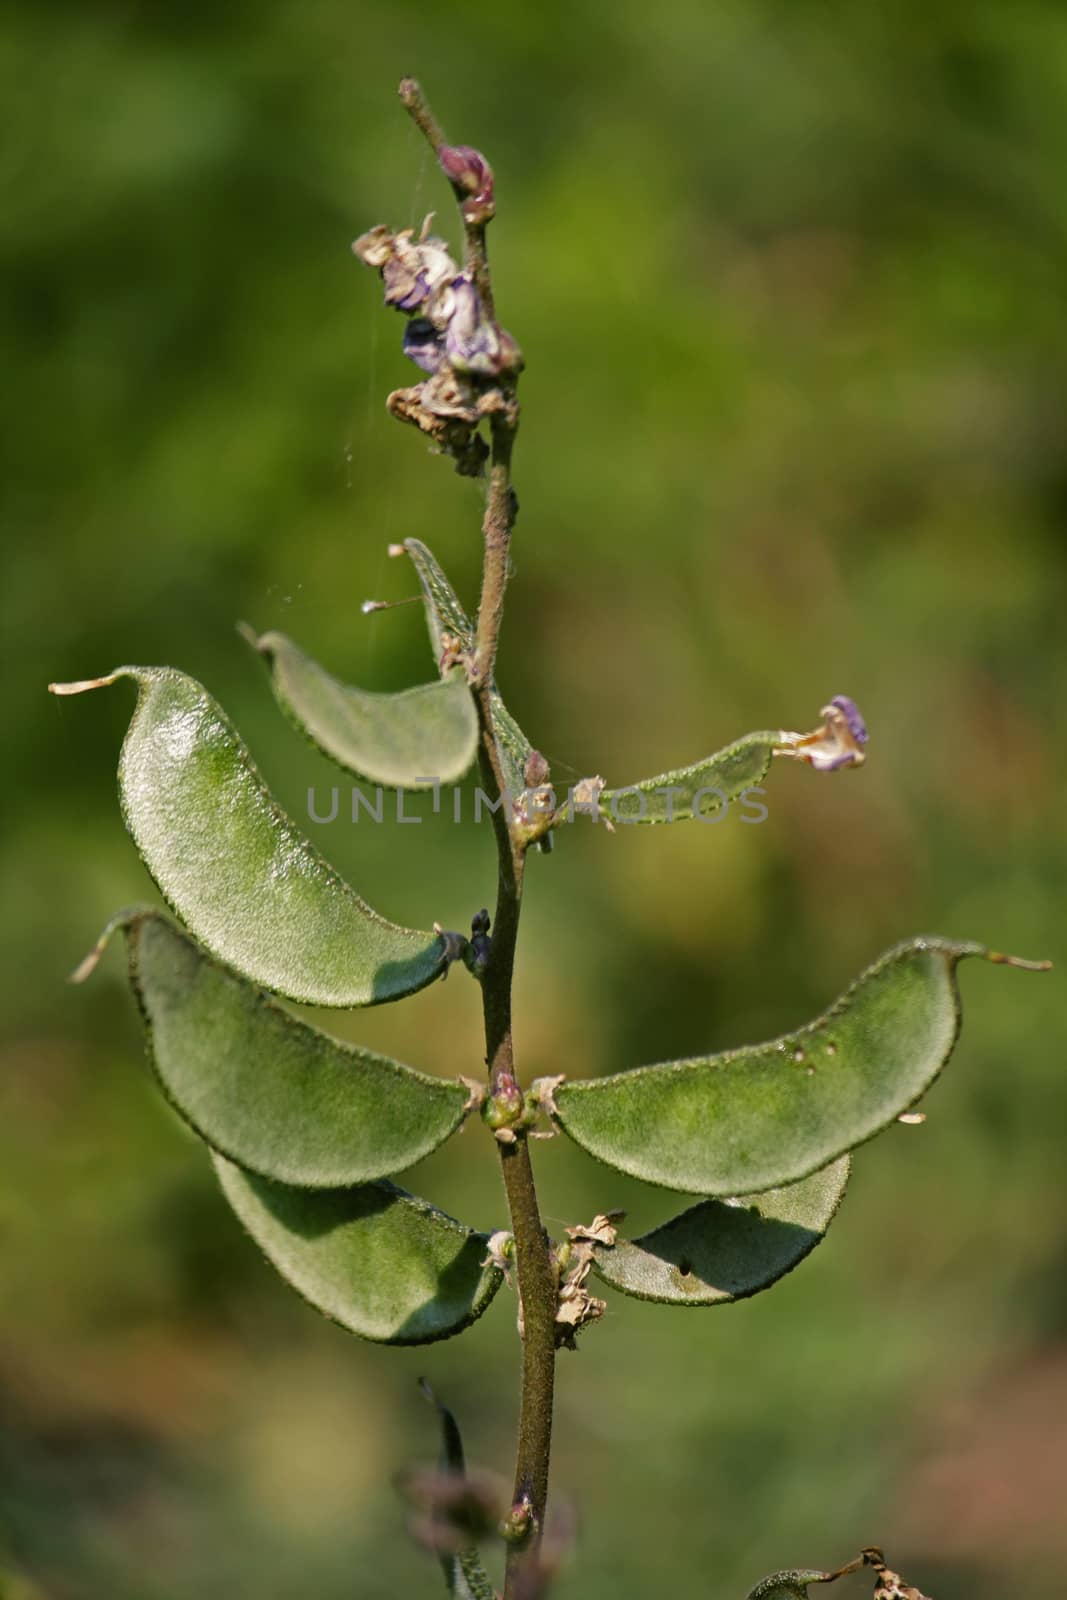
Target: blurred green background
(790,283)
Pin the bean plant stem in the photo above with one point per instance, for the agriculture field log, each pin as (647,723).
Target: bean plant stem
(496,529)
(536,1270)
(535,1266)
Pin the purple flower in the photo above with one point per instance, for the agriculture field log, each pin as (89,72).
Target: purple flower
(836,743)
(857,726)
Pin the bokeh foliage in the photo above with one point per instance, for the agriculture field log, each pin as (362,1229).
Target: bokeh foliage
(789,281)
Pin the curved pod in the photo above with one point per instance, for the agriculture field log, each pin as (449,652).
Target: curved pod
(382,1263)
(268,1090)
(702,790)
(720,1250)
(410,740)
(770,1114)
(237,870)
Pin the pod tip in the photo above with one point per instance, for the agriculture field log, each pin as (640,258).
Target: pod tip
(82,685)
(1017,961)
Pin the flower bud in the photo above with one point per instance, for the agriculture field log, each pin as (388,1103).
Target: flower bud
(519,1522)
(503,1108)
(471,176)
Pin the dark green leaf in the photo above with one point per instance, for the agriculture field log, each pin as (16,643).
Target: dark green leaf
(767,1115)
(407,741)
(375,1259)
(720,1251)
(235,867)
(266,1089)
(700,790)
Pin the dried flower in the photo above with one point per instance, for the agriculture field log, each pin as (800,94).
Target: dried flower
(416,273)
(471,340)
(600,1231)
(445,409)
(450,337)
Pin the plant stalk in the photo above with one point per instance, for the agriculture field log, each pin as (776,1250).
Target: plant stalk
(538,1282)
(535,1265)
(496,529)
